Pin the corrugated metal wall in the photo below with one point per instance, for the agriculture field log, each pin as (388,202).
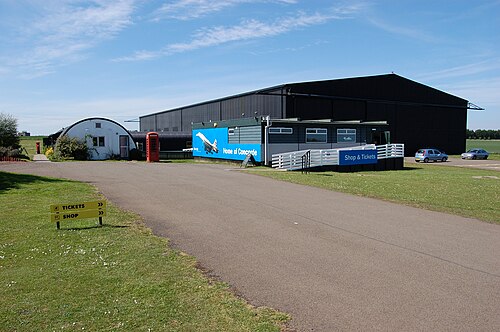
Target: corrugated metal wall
(411,109)
(246,135)
(250,135)
(147,123)
(251,105)
(199,113)
(237,107)
(168,122)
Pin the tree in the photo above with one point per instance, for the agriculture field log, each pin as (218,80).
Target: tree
(8,132)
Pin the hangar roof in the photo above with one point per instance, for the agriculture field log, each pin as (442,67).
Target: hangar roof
(378,88)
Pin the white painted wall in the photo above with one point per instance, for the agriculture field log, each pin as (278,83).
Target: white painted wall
(109,130)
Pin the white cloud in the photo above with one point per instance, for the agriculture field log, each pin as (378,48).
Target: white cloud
(246,30)
(485,66)
(414,33)
(191,9)
(63,31)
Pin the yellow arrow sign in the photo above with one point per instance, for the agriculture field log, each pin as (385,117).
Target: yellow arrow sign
(80,214)
(94,205)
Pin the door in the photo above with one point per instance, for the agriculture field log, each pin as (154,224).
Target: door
(381,137)
(124,146)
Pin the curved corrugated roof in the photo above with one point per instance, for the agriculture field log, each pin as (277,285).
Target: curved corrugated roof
(65,130)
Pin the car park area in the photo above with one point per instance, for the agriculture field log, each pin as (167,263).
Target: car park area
(488,164)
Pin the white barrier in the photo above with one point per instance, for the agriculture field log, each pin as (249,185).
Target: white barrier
(291,161)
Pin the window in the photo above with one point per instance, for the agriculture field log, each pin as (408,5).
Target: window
(230,131)
(316,135)
(280,130)
(98,125)
(346,135)
(98,141)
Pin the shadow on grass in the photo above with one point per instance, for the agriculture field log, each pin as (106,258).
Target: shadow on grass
(320,173)
(91,227)
(14,181)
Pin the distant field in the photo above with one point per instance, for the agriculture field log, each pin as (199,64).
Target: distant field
(29,143)
(492,146)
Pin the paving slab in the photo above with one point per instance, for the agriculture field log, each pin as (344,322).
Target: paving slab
(40,157)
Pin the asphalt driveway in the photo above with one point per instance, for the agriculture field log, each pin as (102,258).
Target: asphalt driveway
(333,261)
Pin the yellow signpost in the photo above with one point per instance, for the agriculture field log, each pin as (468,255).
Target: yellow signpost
(75,211)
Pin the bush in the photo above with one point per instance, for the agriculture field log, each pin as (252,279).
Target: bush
(15,153)
(71,148)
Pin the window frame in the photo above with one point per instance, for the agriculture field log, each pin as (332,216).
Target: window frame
(317,132)
(98,141)
(346,132)
(280,130)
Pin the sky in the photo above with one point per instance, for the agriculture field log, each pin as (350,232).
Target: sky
(65,60)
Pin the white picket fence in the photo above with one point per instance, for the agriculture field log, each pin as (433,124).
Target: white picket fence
(296,160)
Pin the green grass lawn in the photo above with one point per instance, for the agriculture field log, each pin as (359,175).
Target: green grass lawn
(466,192)
(110,278)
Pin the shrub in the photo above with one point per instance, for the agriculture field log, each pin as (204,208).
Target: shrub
(71,148)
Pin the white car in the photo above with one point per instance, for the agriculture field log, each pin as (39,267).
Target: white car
(475,154)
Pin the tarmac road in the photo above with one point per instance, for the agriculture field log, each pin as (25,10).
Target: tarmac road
(333,261)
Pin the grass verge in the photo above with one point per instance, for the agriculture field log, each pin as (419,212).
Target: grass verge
(110,278)
(466,192)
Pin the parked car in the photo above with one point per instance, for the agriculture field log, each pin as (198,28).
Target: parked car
(430,154)
(475,154)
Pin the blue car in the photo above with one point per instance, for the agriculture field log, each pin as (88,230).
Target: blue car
(430,154)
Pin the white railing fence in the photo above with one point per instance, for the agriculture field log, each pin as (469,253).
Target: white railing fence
(292,161)
(390,151)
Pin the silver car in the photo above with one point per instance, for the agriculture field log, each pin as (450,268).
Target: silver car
(475,154)
(431,154)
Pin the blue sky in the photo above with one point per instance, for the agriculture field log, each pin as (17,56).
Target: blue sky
(65,60)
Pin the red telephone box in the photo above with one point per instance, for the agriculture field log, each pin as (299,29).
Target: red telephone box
(152,147)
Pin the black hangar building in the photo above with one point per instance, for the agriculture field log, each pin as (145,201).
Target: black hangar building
(417,115)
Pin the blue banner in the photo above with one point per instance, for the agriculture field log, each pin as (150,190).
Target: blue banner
(213,143)
(357,157)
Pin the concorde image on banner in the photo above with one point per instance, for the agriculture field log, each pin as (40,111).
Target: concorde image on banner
(209,147)
(213,143)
